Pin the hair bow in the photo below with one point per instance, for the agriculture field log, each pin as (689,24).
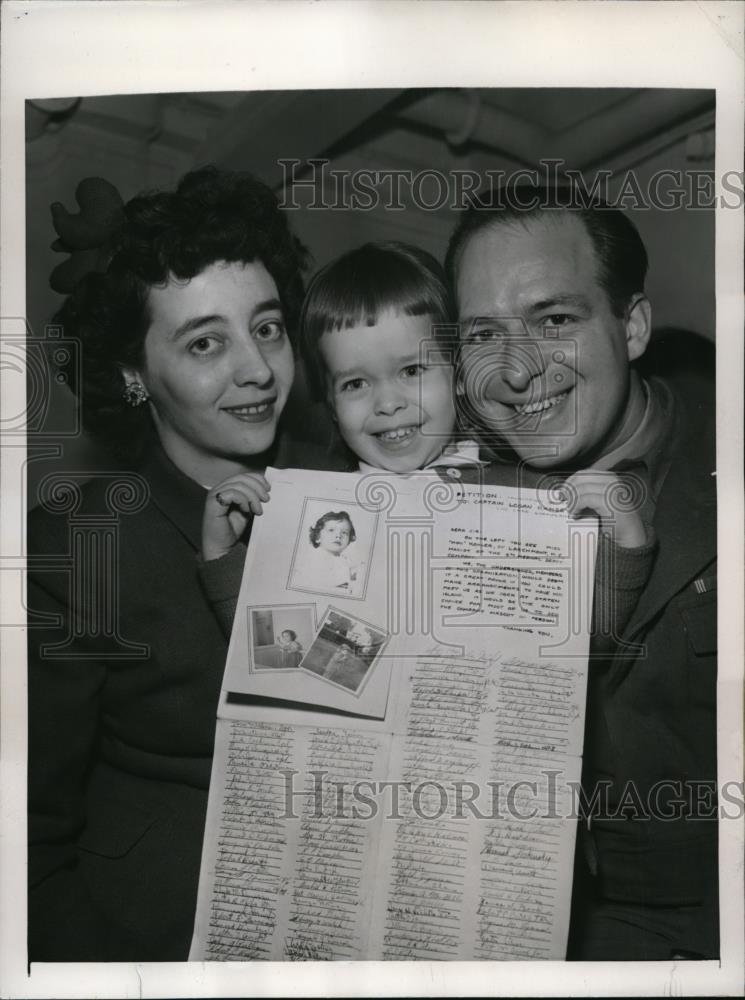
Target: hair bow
(85,236)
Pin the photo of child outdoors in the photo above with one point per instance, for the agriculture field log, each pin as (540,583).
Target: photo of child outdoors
(344,650)
(280,635)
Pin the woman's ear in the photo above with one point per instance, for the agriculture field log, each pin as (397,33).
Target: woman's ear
(132,376)
(638,326)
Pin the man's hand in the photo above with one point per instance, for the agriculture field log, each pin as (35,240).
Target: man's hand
(227,510)
(605,494)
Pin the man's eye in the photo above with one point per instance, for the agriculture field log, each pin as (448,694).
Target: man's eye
(273,329)
(557,319)
(204,345)
(412,371)
(352,385)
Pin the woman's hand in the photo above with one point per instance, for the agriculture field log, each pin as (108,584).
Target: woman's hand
(594,491)
(229,506)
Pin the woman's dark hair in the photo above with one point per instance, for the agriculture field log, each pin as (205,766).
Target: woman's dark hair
(620,252)
(213,215)
(357,287)
(331,515)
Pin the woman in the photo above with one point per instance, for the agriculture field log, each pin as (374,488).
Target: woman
(187,364)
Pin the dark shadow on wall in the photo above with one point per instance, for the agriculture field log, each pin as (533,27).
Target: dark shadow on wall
(675,351)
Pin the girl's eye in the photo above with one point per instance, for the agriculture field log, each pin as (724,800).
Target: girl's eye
(484,335)
(273,329)
(352,385)
(204,345)
(412,371)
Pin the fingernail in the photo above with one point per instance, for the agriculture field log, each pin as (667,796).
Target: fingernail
(221,500)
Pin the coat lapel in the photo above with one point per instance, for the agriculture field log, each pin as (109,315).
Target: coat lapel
(179,498)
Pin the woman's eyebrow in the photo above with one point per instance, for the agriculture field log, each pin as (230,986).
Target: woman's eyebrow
(195,323)
(268,305)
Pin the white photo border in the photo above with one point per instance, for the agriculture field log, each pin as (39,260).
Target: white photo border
(370,667)
(301,539)
(252,668)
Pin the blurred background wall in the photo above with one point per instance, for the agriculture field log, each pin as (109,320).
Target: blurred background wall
(148,141)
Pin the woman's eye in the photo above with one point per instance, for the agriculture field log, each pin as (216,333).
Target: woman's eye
(204,345)
(352,385)
(273,329)
(412,371)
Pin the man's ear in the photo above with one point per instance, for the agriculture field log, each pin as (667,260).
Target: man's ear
(638,326)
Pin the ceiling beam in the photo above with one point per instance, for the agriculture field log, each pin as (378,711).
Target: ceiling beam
(272,125)
(604,134)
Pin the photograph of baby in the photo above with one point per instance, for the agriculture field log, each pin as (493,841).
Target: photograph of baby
(332,551)
(279,636)
(344,650)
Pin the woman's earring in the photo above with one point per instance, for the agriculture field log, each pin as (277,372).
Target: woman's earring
(134,394)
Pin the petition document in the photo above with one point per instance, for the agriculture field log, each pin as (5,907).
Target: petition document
(400,728)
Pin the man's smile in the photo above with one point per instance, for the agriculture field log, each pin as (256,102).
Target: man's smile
(539,405)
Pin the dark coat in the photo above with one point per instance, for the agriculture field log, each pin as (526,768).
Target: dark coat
(120,735)
(655,712)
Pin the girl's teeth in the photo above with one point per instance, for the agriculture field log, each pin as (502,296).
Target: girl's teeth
(543,404)
(400,432)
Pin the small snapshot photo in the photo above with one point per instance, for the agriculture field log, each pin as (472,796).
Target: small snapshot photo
(333,548)
(279,637)
(345,650)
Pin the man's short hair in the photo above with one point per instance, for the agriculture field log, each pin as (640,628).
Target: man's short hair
(622,257)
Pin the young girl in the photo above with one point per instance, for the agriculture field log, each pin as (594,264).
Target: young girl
(379,347)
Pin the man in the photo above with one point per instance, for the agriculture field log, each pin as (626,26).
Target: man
(554,325)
